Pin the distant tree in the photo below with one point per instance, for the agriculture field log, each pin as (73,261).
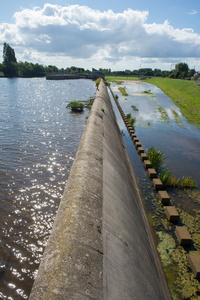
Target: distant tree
(1,67)
(191,72)
(9,61)
(181,70)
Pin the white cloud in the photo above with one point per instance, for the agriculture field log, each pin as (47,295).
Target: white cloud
(193,12)
(79,33)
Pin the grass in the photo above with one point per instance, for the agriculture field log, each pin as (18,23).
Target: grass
(185,94)
(157,159)
(163,115)
(121,78)
(123,91)
(176,116)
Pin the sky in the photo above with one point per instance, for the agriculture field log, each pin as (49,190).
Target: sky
(116,35)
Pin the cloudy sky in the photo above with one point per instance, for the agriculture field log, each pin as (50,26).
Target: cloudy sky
(112,34)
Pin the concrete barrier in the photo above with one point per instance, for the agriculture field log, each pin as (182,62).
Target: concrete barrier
(101,246)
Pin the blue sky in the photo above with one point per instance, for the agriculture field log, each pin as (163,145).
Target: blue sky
(108,34)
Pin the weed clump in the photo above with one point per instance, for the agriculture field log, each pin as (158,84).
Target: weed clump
(131,120)
(76,106)
(157,159)
(123,91)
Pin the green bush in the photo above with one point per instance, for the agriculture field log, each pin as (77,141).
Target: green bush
(76,106)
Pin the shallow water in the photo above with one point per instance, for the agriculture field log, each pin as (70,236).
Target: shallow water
(39,138)
(159,123)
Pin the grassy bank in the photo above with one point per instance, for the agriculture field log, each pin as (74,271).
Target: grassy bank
(120,78)
(185,94)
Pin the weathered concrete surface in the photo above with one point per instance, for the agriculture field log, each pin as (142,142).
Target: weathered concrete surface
(101,245)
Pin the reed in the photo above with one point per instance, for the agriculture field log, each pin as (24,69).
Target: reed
(156,158)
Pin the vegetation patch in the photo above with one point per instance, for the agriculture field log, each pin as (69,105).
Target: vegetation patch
(131,120)
(134,108)
(157,159)
(181,281)
(76,106)
(164,115)
(184,93)
(90,101)
(121,78)
(148,92)
(123,91)
(176,116)
(97,82)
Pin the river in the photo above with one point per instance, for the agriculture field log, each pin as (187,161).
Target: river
(39,138)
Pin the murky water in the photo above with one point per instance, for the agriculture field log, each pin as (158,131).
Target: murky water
(159,123)
(39,138)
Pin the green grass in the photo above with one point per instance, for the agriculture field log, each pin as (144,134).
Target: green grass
(121,78)
(156,158)
(185,94)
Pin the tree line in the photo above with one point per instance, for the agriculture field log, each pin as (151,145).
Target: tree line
(181,71)
(11,68)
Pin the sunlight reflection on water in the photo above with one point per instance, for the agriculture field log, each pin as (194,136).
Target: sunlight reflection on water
(39,138)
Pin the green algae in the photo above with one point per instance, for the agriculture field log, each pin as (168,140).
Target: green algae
(180,278)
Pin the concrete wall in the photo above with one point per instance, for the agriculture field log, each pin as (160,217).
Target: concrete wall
(100,246)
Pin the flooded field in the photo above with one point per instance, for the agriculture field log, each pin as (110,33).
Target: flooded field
(159,123)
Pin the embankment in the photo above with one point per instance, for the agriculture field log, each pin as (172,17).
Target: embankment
(101,246)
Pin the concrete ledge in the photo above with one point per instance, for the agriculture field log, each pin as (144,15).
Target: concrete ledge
(131,132)
(147,164)
(140,150)
(172,214)
(164,197)
(143,157)
(152,173)
(157,184)
(183,236)
(133,135)
(137,144)
(194,262)
(135,140)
